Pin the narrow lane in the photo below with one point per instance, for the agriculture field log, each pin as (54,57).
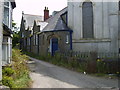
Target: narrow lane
(45,75)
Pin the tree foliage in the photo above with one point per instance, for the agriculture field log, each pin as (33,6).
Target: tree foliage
(16,38)
(16,35)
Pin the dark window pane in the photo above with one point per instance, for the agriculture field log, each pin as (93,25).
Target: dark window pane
(6,16)
(6,4)
(87,11)
(119,5)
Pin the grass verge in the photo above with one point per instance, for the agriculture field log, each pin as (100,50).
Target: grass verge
(16,75)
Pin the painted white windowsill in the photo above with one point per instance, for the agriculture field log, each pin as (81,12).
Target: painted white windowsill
(6,43)
(91,40)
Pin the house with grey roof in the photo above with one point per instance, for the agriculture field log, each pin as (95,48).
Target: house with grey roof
(56,36)
(28,23)
(48,36)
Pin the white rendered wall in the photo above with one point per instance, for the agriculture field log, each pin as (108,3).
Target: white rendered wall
(1,36)
(105,26)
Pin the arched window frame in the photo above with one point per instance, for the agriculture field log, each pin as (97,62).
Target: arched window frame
(119,5)
(92,18)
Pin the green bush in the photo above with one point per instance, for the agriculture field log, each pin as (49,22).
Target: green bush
(19,64)
(8,81)
(100,66)
(83,62)
(17,75)
(8,71)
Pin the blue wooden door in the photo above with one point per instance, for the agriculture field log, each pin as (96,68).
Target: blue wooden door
(54,45)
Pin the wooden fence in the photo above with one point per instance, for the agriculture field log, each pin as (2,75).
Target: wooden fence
(109,61)
(85,55)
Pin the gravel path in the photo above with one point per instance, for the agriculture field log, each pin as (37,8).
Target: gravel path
(45,75)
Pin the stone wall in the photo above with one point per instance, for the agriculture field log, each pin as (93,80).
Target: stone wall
(44,43)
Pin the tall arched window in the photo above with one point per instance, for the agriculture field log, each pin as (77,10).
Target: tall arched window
(119,5)
(87,15)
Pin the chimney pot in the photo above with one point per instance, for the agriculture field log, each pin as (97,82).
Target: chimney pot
(22,12)
(46,13)
(45,8)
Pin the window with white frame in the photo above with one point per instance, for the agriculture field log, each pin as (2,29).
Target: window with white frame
(36,39)
(43,37)
(22,34)
(28,41)
(67,39)
(7,49)
(7,13)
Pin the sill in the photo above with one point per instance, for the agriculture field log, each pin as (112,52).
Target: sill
(67,42)
(91,40)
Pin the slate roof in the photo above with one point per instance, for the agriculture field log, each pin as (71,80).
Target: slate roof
(42,25)
(56,23)
(29,20)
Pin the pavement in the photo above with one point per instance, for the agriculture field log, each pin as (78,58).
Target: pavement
(46,75)
(2,87)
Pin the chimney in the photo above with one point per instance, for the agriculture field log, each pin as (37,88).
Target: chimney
(22,12)
(46,13)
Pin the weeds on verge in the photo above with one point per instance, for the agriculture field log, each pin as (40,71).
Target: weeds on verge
(16,75)
(91,64)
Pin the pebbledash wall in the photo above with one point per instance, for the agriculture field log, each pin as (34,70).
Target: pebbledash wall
(105,26)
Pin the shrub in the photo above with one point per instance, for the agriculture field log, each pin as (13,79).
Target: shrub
(19,64)
(18,74)
(82,62)
(8,71)
(8,81)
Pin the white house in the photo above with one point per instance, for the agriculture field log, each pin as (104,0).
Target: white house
(8,7)
(95,25)
(1,15)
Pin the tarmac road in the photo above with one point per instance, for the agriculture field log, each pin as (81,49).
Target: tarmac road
(45,75)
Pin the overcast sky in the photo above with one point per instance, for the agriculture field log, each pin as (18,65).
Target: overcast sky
(36,7)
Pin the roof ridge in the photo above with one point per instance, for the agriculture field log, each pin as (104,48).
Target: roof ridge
(54,20)
(60,11)
(33,15)
(63,9)
(56,13)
